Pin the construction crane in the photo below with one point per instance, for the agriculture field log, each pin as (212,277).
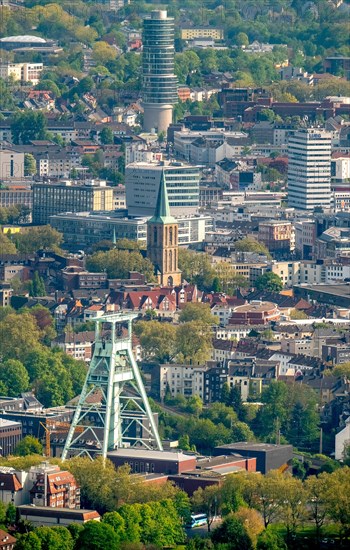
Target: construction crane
(55,427)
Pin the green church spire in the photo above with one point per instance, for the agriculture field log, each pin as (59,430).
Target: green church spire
(162,211)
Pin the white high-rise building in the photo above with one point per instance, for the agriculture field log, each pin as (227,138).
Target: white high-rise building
(142,180)
(159,88)
(309,169)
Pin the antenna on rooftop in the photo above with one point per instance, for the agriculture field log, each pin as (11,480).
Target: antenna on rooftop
(113,398)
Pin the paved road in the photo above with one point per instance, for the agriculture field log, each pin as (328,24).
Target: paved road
(202,531)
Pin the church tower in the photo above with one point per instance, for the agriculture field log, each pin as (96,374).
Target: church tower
(162,240)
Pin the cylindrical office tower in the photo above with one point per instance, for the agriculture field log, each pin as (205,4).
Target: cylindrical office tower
(159,81)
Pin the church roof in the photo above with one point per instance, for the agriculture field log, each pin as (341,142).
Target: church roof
(162,211)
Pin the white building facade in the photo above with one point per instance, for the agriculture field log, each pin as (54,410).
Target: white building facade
(309,169)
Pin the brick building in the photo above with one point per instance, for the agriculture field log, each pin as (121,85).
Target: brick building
(147,461)
(255,313)
(53,487)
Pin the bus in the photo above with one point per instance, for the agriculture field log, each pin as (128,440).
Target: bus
(197,520)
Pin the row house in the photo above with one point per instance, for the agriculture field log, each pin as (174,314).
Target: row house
(206,381)
(223,350)
(77,345)
(251,376)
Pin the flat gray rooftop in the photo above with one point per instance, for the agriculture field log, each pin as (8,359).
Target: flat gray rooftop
(247,446)
(150,454)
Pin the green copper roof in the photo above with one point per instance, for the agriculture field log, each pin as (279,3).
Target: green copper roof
(162,211)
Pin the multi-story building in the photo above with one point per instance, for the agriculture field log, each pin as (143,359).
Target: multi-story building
(53,487)
(50,199)
(208,147)
(309,169)
(23,72)
(255,313)
(16,195)
(10,435)
(159,80)
(305,237)
(85,228)
(277,236)
(340,166)
(11,164)
(234,101)
(142,185)
(206,381)
(202,32)
(6,292)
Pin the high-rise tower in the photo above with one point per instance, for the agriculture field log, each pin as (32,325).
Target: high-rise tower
(309,169)
(162,241)
(159,80)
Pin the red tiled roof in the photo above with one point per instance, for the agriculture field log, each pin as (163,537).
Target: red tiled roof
(9,482)
(6,539)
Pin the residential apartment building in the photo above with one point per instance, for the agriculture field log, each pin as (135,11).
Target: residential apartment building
(206,381)
(50,199)
(77,345)
(23,72)
(277,236)
(142,186)
(53,487)
(309,169)
(202,32)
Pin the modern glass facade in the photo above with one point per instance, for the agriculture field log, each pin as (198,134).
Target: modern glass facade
(159,80)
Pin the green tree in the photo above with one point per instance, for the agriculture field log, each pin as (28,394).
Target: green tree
(207,501)
(242,39)
(27,126)
(98,536)
(157,339)
(29,445)
(11,514)
(196,268)
(28,541)
(197,312)
(6,246)
(54,538)
(297,314)
(271,282)
(15,376)
(338,499)
(103,52)
(106,136)
(22,336)
(232,534)
(274,413)
(118,263)
(36,238)
(252,245)
(193,342)
(115,520)
(292,503)
(269,540)
(252,521)
(29,165)
(316,494)
(37,285)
